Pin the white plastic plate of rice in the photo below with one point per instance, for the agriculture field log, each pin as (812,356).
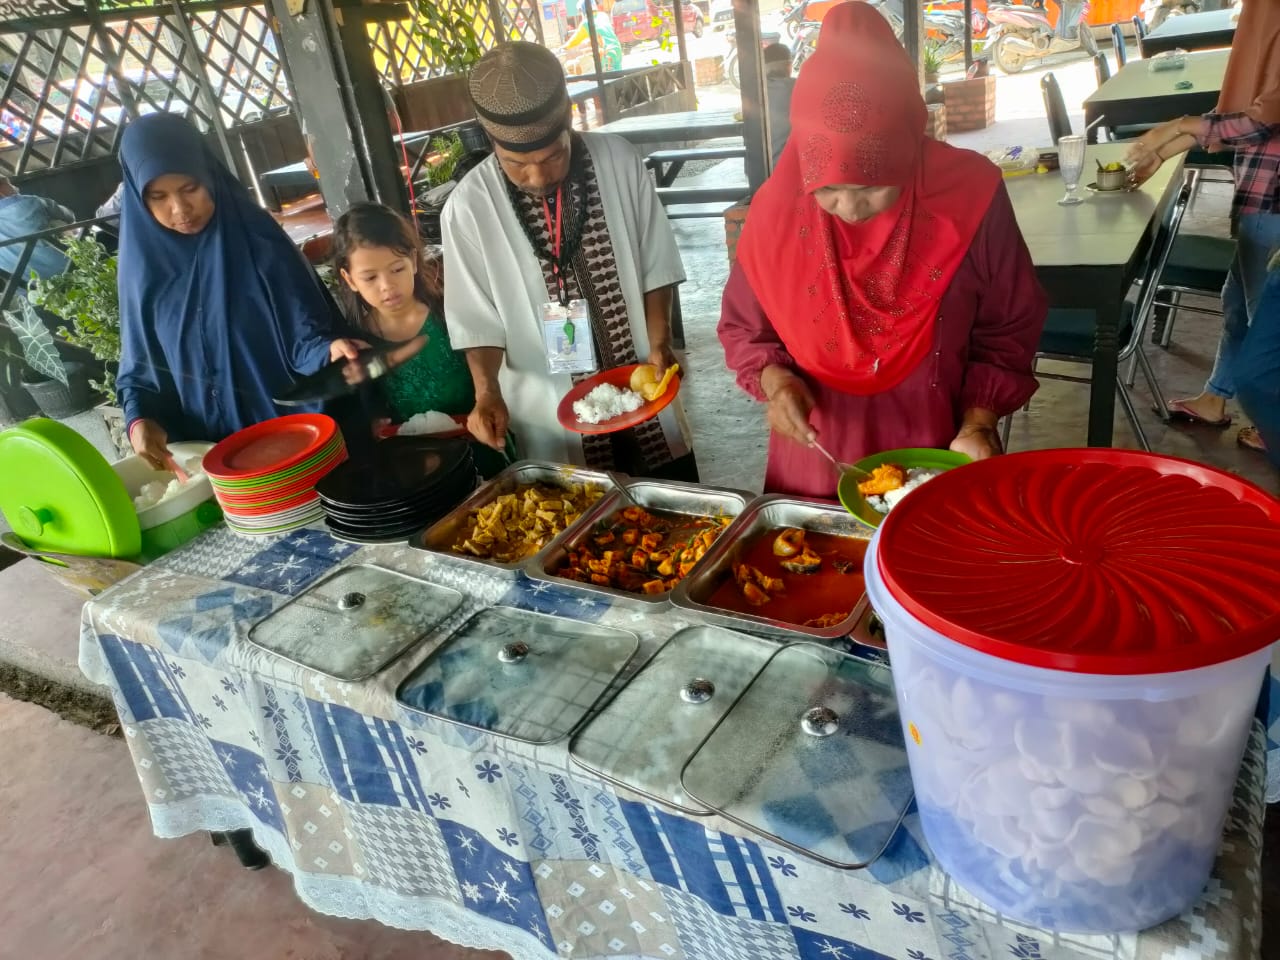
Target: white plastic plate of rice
(916,476)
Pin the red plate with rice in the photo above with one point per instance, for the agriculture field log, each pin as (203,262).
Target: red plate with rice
(619,377)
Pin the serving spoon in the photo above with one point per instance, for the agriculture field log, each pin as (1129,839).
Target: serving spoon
(841,468)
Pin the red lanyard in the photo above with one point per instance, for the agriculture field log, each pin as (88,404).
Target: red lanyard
(554,230)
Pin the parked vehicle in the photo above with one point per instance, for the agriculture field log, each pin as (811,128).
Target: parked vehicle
(944,30)
(1156,12)
(639,21)
(721,14)
(1022,33)
(804,23)
(731,58)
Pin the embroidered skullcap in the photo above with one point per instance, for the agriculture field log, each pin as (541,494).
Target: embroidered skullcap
(520,96)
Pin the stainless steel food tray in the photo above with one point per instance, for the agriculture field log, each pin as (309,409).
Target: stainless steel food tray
(438,539)
(687,498)
(766,513)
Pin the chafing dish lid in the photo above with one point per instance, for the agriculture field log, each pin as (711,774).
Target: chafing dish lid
(645,735)
(810,756)
(520,674)
(356,621)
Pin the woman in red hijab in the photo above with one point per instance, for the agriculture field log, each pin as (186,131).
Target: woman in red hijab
(883,296)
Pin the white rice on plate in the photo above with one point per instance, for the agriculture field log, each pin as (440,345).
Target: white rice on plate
(915,477)
(606,402)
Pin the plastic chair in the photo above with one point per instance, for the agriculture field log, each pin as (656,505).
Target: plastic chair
(1117,43)
(1069,333)
(1055,108)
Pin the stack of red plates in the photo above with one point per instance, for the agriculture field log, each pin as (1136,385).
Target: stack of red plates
(265,476)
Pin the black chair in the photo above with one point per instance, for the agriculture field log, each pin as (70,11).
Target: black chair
(1101,68)
(1117,43)
(1069,333)
(1140,35)
(1055,108)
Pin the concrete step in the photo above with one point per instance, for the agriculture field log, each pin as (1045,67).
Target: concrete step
(40,629)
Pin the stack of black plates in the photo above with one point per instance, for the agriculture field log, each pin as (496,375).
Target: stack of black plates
(405,485)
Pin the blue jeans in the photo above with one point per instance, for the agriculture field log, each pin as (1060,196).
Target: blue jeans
(1257,369)
(1258,237)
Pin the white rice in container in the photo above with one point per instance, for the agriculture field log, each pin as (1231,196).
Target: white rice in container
(157,492)
(915,477)
(606,402)
(427,423)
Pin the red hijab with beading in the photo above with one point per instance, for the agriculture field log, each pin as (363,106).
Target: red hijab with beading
(855,304)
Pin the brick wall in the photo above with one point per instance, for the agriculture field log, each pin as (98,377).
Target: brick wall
(971,104)
(708,71)
(734,218)
(936,127)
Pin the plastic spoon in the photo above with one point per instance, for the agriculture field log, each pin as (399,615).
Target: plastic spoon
(182,475)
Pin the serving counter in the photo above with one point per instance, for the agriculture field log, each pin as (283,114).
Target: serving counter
(381,811)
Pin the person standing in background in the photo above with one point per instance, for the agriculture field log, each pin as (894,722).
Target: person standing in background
(778,84)
(1247,120)
(558,240)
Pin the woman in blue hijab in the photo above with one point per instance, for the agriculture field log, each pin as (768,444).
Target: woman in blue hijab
(219,312)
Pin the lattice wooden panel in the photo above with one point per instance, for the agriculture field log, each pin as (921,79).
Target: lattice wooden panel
(403,54)
(65,91)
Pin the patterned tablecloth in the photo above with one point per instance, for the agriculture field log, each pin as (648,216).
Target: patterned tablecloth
(381,813)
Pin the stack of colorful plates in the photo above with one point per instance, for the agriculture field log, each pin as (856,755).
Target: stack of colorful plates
(405,486)
(265,476)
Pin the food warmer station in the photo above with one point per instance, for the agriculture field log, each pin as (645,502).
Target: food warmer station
(1068,723)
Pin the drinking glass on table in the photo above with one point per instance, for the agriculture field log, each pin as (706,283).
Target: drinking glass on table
(1071,163)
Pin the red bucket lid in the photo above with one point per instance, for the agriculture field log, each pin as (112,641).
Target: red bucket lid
(1092,561)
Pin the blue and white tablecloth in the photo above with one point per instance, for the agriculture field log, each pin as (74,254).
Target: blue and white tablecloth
(381,813)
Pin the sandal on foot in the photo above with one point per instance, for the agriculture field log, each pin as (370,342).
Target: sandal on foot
(1180,410)
(1251,439)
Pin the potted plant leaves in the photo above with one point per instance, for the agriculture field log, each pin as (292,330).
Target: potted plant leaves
(84,296)
(932,60)
(60,388)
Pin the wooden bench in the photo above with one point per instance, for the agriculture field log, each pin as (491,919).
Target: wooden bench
(667,164)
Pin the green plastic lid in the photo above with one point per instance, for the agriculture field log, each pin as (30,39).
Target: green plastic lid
(60,495)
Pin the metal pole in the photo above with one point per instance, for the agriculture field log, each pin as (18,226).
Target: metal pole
(195,63)
(755,137)
(588,11)
(968,35)
(677,10)
(912,34)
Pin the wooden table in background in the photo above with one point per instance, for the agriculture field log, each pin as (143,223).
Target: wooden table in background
(1138,95)
(1196,31)
(1088,256)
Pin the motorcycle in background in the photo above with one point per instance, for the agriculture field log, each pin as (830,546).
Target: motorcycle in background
(806,37)
(1022,33)
(731,58)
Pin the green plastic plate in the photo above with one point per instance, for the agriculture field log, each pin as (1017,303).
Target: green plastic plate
(917,458)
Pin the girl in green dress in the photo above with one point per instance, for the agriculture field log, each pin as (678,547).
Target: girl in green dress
(391,293)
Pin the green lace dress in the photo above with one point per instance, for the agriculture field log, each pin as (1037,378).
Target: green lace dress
(437,378)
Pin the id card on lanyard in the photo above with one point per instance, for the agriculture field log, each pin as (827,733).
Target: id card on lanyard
(566,324)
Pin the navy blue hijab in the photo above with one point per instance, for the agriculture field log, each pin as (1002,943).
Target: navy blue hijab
(215,324)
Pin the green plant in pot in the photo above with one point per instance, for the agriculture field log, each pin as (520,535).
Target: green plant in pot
(57,386)
(84,296)
(932,61)
(453,41)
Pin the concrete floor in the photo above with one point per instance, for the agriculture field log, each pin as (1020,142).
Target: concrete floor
(76,832)
(83,877)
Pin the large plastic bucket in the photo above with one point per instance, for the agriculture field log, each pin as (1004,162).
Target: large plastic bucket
(1077,802)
